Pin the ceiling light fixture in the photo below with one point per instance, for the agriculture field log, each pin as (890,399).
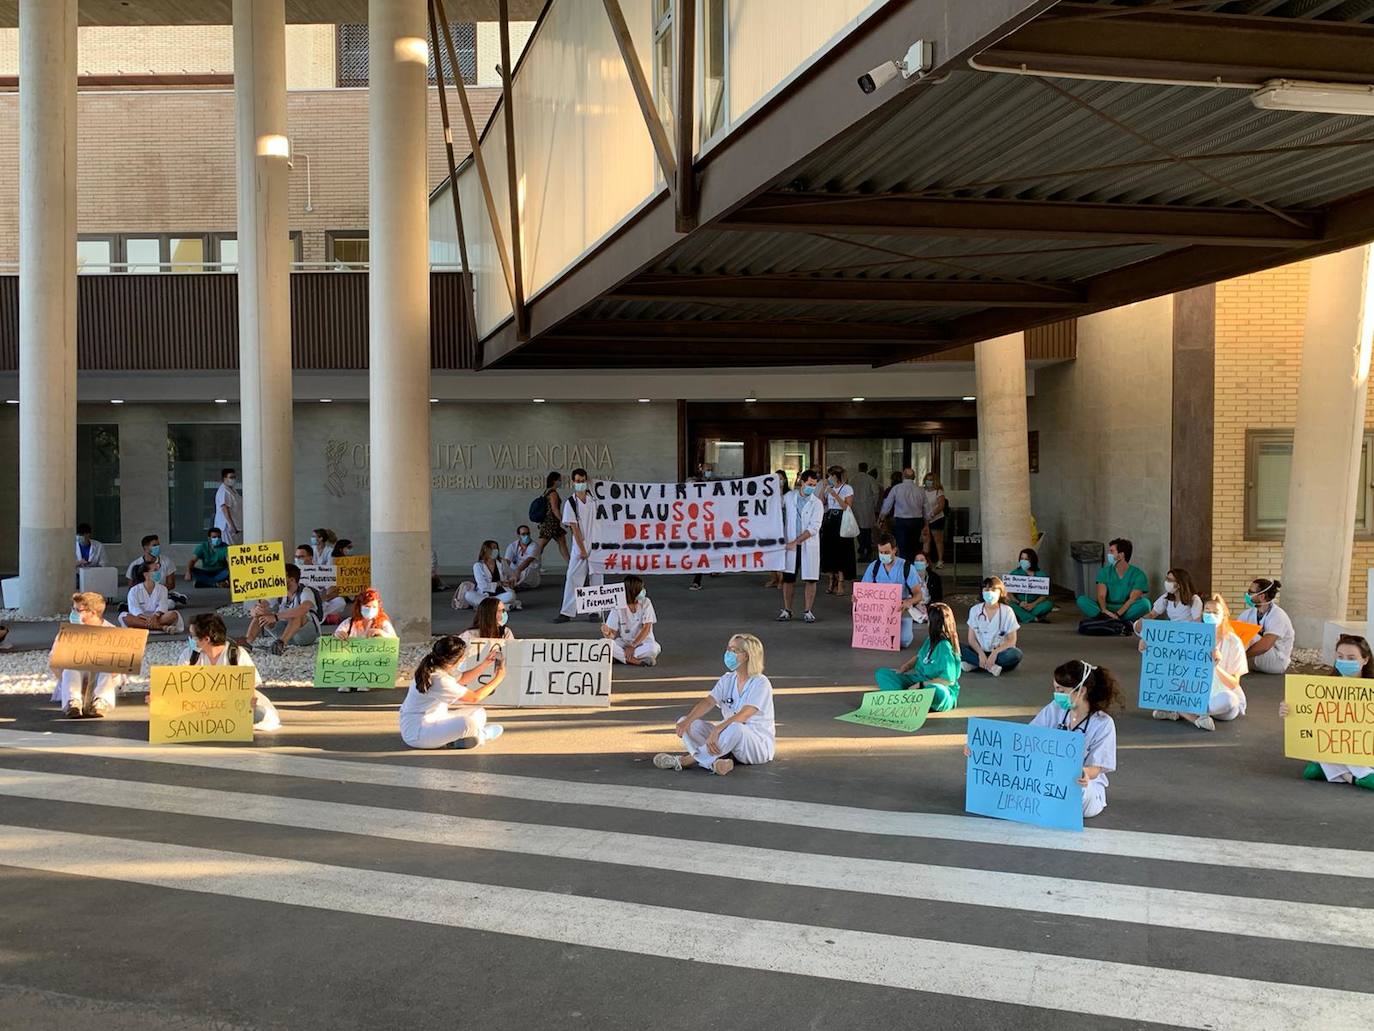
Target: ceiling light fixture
(538,400)
(645,400)
(116,401)
(970,397)
(1326,98)
(856,399)
(221,400)
(326,400)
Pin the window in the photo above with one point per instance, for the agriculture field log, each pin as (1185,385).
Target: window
(94,255)
(347,248)
(186,254)
(196,452)
(663,61)
(350,42)
(224,251)
(97,480)
(1268,466)
(142,254)
(713,100)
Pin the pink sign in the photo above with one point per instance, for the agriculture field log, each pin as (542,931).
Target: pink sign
(878,616)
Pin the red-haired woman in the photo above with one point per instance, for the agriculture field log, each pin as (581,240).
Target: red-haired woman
(368,619)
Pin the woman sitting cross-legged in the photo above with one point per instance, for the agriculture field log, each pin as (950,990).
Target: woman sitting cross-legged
(935,664)
(745,698)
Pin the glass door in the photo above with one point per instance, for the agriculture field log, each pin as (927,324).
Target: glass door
(791,456)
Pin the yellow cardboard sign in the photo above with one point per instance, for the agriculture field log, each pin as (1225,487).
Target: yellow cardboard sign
(200,703)
(256,571)
(1330,719)
(353,574)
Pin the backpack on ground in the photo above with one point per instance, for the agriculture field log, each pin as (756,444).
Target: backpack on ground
(1105,626)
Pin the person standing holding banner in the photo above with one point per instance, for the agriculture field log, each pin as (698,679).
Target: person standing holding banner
(1228,698)
(630,627)
(802,513)
(440,709)
(229,508)
(889,568)
(578,515)
(935,665)
(208,644)
(745,698)
(1353,659)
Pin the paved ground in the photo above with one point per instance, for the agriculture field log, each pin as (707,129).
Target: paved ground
(327,877)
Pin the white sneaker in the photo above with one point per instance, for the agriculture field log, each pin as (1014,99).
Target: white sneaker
(939,565)
(1204,723)
(967,667)
(346,690)
(668,761)
(1160,714)
(784,616)
(996,670)
(809,617)
(491,732)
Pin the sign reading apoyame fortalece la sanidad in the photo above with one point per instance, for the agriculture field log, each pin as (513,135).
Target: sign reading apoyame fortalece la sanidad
(718,526)
(200,703)
(257,571)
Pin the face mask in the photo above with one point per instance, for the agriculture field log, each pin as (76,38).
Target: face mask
(918,565)
(369,611)
(641,595)
(1249,600)
(314,542)
(885,558)
(731,661)
(809,489)
(1213,618)
(1024,564)
(1170,587)
(581,488)
(501,619)
(157,577)
(231,480)
(73,617)
(156,549)
(1113,558)
(191,640)
(1064,700)
(990,597)
(78,538)
(1349,667)
(707,474)
(524,538)
(214,542)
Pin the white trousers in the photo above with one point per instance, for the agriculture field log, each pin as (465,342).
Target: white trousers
(530,578)
(746,744)
(1225,704)
(475,598)
(264,713)
(578,569)
(68,693)
(336,606)
(445,727)
(179,627)
(1094,798)
(1267,662)
(647,649)
(1340,773)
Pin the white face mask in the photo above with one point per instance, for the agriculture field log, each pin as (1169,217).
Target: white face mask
(1170,587)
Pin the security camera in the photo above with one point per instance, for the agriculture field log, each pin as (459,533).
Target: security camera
(880,76)
(918,59)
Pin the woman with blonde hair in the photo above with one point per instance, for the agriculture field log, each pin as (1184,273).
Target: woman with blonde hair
(85,695)
(1227,700)
(745,698)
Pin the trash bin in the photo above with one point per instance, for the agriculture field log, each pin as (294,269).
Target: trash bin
(1088,557)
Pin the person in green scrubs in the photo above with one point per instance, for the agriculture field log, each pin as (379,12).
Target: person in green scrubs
(1029,608)
(935,664)
(1121,587)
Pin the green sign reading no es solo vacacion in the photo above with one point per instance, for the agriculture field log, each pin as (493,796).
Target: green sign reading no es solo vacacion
(894,710)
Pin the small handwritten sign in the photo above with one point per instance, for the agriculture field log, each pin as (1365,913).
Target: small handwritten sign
(894,710)
(357,662)
(1176,667)
(257,571)
(600,597)
(200,703)
(1024,773)
(98,649)
(877,616)
(1330,719)
(1027,584)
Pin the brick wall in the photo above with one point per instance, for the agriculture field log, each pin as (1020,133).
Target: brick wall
(1259,355)
(164,161)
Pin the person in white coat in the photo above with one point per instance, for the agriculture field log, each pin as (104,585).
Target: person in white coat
(630,628)
(1353,659)
(1227,700)
(208,644)
(1272,648)
(90,553)
(489,578)
(579,512)
(441,708)
(748,734)
(522,560)
(229,508)
(150,606)
(802,513)
(81,694)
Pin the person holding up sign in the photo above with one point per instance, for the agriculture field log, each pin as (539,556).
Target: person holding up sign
(1228,699)
(1272,649)
(802,513)
(630,627)
(935,664)
(489,623)
(440,709)
(1029,608)
(1353,659)
(579,512)
(208,644)
(890,568)
(368,618)
(992,631)
(488,580)
(1179,602)
(745,698)
(81,694)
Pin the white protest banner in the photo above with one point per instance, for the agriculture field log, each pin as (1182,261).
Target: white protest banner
(547,672)
(600,598)
(1026,584)
(319,577)
(717,526)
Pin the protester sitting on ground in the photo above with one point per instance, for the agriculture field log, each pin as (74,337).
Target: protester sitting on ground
(935,665)
(368,618)
(1179,603)
(630,627)
(745,698)
(934,582)
(81,694)
(1029,608)
(149,606)
(933,535)
(992,630)
(293,619)
(322,542)
(209,566)
(208,644)
(802,513)
(90,553)
(891,568)
(1227,700)
(229,508)
(489,622)
(1082,695)
(441,708)
(436,582)
(489,580)
(153,551)
(1121,587)
(774,578)
(1272,648)
(335,604)
(304,555)
(1353,659)
(522,559)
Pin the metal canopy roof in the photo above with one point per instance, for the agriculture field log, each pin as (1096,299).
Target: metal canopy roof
(989,202)
(219,12)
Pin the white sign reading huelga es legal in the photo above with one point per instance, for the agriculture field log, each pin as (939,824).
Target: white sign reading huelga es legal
(545,672)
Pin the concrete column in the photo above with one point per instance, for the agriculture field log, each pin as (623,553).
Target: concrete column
(264,271)
(398,296)
(47,303)
(1324,484)
(1003,463)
